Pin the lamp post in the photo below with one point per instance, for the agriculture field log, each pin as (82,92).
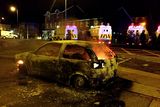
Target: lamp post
(14,9)
(2,18)
(65,10)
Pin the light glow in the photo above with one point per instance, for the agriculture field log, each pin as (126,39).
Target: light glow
(2,18)
(58,26)
(13,8)
(158,30)
(105,32)
(109,42)
(73,30)
(20,62)
(143,23)
(92,27)
(135,28)
(95,65)
(100,42)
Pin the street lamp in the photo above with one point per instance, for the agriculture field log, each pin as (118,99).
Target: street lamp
(1,19)
(14,9)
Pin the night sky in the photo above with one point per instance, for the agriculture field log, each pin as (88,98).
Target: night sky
(34,10)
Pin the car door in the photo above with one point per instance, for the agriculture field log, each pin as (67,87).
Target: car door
(45,60)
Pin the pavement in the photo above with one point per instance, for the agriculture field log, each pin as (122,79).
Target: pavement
(6,57)
(144,72)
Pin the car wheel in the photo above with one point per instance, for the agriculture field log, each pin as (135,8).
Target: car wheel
(4,37)
(79,82)
(22,70)
(22,75)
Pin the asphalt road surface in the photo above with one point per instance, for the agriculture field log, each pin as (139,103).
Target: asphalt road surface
(142,67)
(36,92)
(16,91)
(29,91)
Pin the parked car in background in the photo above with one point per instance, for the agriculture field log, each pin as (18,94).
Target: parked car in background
(77,63)
(8,34)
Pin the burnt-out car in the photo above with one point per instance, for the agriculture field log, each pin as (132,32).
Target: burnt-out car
(77,63)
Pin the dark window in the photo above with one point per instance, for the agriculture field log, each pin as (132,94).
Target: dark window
(51,49)
(76,52)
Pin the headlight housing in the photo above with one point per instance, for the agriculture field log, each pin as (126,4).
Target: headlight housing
(20,62)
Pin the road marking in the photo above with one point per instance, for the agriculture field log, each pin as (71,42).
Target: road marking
(155,103)
(124,60)
(145,90)
(151,53)
(127,51)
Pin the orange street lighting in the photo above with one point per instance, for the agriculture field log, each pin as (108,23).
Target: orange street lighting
(14,9)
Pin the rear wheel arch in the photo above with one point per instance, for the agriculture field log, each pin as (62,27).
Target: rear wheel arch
(80,78)
(79,74)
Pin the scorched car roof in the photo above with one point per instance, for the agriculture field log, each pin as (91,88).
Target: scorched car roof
(78,42)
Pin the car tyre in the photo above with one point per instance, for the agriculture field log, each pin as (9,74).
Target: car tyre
(3,37)
(22,72)
(113,103)
(22,75)
(79,82)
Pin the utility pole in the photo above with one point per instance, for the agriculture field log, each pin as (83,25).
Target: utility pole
(127,14)
(27,31)
(65,10)
(52,5)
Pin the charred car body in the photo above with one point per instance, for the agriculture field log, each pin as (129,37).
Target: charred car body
(77,63)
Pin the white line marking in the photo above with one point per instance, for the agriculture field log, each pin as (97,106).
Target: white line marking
(151,53)
(124,60)
(127,51)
